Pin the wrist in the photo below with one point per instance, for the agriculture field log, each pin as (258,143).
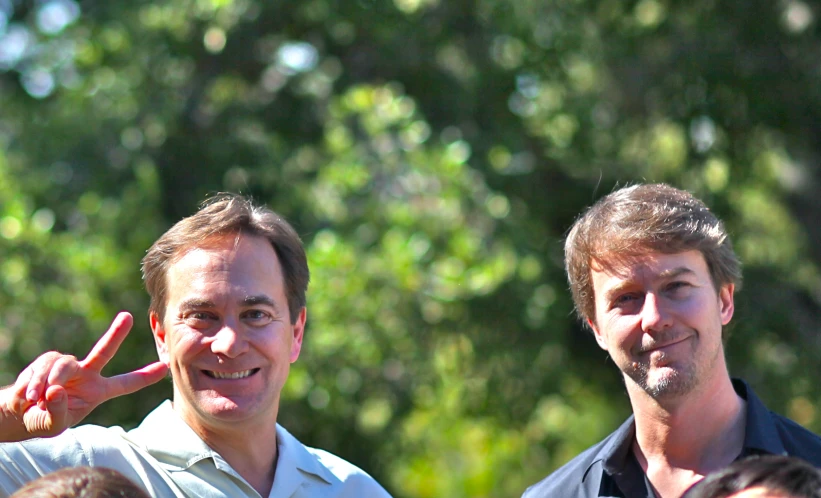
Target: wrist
(11,416)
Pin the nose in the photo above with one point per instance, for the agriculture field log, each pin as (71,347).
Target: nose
(229,341)
(654,315)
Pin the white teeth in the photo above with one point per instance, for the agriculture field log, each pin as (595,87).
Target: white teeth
(234,375)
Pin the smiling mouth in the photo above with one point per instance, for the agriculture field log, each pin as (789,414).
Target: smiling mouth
(661,347)
(230,375)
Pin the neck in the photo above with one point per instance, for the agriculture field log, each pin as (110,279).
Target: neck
(249,448)
(680,441)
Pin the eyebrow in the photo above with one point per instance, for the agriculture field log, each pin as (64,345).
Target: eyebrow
(195,303)
(664,275)
(675,272)
(615,291)
(259,299)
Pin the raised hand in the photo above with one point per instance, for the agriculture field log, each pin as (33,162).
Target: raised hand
(57,391)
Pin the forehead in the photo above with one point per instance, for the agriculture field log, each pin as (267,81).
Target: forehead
(243,260)
(646,267)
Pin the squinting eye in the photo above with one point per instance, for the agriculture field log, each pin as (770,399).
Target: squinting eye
(198,319)
(257,316)
(626,303)
(625,298)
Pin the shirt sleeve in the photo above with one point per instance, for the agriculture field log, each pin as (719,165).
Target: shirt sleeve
(25,461)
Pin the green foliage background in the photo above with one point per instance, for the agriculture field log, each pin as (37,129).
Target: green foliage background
(432,154)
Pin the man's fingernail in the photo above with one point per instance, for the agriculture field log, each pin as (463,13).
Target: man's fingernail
(31,395)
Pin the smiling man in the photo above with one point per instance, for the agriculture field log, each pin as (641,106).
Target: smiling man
(228,313)
(653,274)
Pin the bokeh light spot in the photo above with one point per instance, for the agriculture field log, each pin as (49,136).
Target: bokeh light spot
(43,219)
(38,83)
(797,16)
(10,227)
(54,16)
(214,40)
(297,57)
(14,45)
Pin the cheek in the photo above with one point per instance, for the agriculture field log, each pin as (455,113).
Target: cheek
(694,309)
(274,338)
(184,344)
(622,325)
(689,304)
(278,346)
(624,332)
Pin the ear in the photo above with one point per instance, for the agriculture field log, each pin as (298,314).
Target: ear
(726,304)
(159,336)
(298,329)
(597,334)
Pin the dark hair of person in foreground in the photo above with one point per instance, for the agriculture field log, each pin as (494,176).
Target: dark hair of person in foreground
(771,475)
(81,482)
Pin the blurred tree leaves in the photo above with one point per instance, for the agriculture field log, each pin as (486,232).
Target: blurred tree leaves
(431,154)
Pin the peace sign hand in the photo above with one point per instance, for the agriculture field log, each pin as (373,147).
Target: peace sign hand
(57,391)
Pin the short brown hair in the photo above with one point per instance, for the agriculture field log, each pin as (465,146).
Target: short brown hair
(638,219)
(81,482)
(227,214)
(779,475)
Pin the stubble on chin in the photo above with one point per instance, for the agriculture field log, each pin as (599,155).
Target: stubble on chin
(658,375)
(663,382)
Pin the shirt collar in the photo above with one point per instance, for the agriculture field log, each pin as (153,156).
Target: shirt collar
(177,447)
(297,466)
(170,440)
(614,452)
(760,434)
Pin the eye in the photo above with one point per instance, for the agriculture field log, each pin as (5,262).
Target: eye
(677,287)
(257,317)
(199,319)
(624,298)
(625,302)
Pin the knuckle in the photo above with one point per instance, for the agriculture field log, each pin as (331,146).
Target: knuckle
(44,361)
(65,361)
(61,367)
(49,356)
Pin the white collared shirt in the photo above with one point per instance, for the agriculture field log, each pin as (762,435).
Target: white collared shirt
(168,459)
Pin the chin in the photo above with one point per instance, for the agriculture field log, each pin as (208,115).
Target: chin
(226,409)
(668,382)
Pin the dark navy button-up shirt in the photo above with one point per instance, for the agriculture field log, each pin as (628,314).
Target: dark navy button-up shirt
(610,469)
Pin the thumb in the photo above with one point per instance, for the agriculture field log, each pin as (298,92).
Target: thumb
(57,404)
(48,418)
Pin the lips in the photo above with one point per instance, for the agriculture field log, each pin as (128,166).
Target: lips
(662,345)
(241,374)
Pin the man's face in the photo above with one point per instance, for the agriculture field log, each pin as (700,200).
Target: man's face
(227,336)
(660,318)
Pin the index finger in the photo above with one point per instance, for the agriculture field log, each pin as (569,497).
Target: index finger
(110,342)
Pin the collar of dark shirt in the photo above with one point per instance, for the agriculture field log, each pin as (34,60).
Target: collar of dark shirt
(760,436)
